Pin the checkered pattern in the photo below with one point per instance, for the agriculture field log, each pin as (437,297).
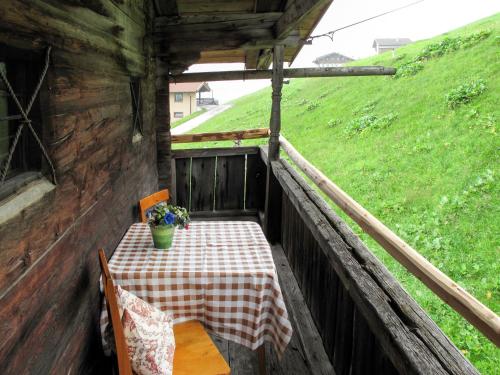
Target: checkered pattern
(220,273)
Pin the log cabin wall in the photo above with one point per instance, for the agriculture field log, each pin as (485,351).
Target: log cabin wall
(49,272)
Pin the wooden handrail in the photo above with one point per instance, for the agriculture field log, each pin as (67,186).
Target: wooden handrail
(222,136)
(480,316)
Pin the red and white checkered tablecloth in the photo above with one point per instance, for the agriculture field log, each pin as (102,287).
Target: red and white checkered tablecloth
(220,273)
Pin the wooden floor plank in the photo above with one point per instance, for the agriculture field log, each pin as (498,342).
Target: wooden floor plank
(306,335)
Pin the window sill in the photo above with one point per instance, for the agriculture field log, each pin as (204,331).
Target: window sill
(22,199)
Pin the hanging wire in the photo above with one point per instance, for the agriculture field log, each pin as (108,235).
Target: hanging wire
(330,34)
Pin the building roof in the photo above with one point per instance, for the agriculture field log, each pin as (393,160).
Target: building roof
(391,42)
(334,56)
(189,87)
(195,31)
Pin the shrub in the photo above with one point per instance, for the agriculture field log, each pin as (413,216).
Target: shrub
(366,109)
(438,49)
(369,121)
(448,45)
(464,93)
(409,69)
(312,106)
(332,123)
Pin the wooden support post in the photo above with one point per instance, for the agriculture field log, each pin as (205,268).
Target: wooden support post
(162,125)
(261,354)
(272,218)
(275,122)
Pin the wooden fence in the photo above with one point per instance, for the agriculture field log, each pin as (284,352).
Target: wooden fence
(219,181)
(232,191)
(367,322)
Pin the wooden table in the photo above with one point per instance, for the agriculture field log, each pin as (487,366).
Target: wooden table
(220,273)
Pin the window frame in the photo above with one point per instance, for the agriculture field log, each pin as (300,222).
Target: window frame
(136,100)
(181,114)
(23,69)
(178,95)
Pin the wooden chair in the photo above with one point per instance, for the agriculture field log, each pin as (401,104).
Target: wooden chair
(195,352)
(151,200)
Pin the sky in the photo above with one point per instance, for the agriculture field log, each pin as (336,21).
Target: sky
(420,21)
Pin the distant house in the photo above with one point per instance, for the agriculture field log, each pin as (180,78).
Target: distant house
(332,59)
(184,101)
(382,45)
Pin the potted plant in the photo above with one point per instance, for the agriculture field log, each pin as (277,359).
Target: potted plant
(162,220)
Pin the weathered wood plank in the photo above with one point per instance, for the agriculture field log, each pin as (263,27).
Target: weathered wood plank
(221,136)
(200,22)
(68,28)
(230,183)
(183,182)
(212,152)
(308,338)
(343,333)
(255,182)
(202,184)
(295,12)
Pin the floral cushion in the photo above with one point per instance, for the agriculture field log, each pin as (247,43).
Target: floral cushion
(149,335)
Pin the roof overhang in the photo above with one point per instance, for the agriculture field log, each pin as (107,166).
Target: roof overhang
(190,32)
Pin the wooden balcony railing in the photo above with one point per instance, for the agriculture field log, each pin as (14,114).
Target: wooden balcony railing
(219,181)
(367,322)
(480,316)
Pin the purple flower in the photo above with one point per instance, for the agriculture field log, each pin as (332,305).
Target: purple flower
(169,218)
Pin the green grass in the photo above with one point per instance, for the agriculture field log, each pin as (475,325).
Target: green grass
(187,118)
(428,171)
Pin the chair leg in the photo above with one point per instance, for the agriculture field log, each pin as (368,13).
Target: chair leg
(261,353)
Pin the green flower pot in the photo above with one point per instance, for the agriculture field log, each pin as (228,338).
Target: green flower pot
(162,236)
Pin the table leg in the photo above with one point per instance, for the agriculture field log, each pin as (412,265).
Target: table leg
(261,353)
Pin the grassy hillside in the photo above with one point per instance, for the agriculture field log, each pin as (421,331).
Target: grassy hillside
(420,151)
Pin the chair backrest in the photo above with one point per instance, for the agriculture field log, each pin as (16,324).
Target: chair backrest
(151,200)
(124,366)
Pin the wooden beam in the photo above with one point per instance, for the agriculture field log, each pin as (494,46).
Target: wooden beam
(222,136)
(166,7)
(480,316)
(201,22)
(251,58)
(265,58)
(211,38)
(294,14)
(233,75)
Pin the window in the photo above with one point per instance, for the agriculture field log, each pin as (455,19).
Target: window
(179,97)
(135,94)
(23,72)
(178,114)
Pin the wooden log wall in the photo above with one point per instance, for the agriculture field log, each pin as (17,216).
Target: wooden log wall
(219,181)
(49,272)
(367,322)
